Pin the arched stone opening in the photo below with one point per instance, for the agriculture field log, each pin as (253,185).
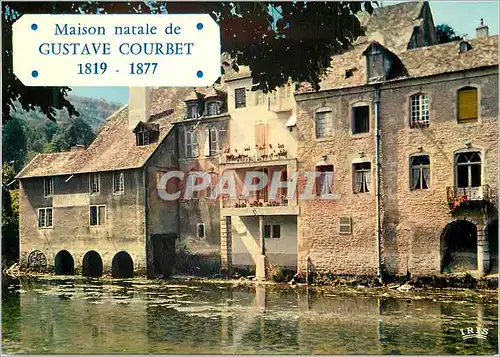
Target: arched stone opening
(92,264)
(64,263)
(122,265)
(492,236)
(459,247)
(37,261)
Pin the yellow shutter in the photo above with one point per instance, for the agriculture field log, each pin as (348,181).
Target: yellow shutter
(467,104)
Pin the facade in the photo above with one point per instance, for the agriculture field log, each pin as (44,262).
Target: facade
(410,130)
(262,138)
(405,130)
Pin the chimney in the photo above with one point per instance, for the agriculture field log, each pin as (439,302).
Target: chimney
(77,148)
(138,105)
(482,30)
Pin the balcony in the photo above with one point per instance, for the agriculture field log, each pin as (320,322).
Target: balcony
(247,157)
(468,197)
(259,207)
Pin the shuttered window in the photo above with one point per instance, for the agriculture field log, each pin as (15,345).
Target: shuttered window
(467,105)
(261,137)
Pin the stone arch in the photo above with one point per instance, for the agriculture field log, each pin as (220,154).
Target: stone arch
(122,265)
(492,238)
(459,250)
(92,264)
(37,261)
(64,263)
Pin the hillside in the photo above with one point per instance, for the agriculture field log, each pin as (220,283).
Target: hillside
(29,133)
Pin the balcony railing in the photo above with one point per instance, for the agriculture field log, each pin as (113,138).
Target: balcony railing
(479,193)
(249,203)
(257,154)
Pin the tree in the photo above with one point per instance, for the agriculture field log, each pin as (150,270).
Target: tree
(277,40)
(14,143)
(10,215)
(76,132)
(446,34)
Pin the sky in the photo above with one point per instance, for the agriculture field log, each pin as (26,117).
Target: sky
(462,16)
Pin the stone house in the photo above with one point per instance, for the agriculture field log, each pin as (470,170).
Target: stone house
(409,128)
(97,209)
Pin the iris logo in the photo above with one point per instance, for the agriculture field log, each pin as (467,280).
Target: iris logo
(471,332)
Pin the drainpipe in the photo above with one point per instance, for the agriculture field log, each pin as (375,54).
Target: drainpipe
(377,177)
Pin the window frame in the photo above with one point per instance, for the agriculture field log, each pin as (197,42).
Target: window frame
(45,180)
(191,145)
(211,143)
(367,181)
(421,173)
(242,103)
(328,126)
(198,230)
(353,119)
(319,180)
(98,216)
(420,122)
(211,104)
(478,104)
(122,174)
(192,106)
(469,165)
(345,224)
(93,174)
(268,232)
(45,210)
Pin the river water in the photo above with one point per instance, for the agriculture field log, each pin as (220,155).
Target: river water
(41,316)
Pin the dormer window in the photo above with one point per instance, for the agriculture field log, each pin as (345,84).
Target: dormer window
(465,46)
(212,107)
(192,110)
(142,138)
(146,133)
(376,68)
(382,64)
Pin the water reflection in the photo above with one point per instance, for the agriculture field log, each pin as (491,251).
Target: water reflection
(67,316)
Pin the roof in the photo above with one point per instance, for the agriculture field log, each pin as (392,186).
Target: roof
(115,146)
(418,62)
(392,25)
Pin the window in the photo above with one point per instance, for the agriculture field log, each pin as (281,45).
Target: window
(142,138)
(48,186)
(191,144)
(419,110)
(468,169)
(192,110)
(376,68)
(118,182)
(212,108)
(240,98)
(260,98)
(97,215)
(94,182)
(213,142)
(262,138)
(362,177)
(324,124)
(45,217)
(324,183)
(467,105)
(345,225)
(360,119)
(201,230)
(420,167)
(272,231)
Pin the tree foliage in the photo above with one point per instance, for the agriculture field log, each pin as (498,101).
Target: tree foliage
(277,40)
(446,34)
(14,143)
(10,215)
